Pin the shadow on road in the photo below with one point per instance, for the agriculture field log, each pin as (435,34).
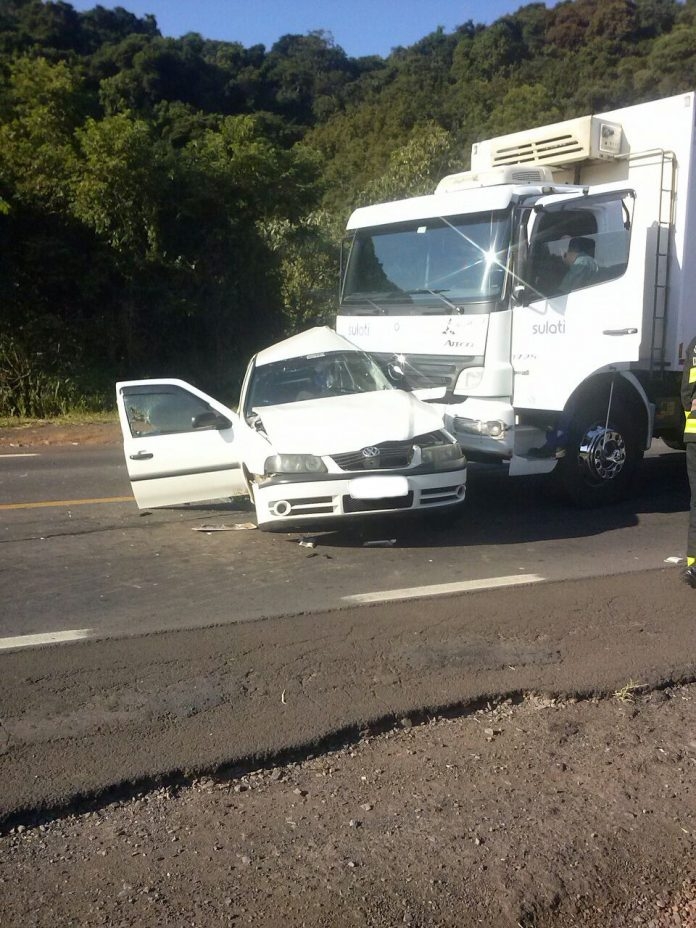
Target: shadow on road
(503,510)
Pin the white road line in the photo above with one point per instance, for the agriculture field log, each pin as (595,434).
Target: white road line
(33,454)
(439,589)
(34,641)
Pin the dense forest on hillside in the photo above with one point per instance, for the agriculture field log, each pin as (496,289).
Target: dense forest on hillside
(167,206)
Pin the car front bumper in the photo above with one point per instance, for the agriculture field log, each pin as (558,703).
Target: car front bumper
(312,502)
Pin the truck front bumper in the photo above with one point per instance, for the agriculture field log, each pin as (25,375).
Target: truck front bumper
(483,428)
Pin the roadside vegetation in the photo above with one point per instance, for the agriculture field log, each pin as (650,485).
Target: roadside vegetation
(168,206)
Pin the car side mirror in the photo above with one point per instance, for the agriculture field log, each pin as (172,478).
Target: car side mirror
(210,420)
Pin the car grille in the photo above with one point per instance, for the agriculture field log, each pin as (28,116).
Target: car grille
(392,454)
(317,504)
(377,505)
(441,495)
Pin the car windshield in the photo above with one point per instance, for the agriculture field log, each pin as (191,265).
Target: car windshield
(316,376)
(443,262)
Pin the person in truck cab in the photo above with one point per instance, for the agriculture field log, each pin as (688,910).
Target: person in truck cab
(582,267)
(688,395)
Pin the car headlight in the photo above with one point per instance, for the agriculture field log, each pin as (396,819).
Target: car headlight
(492,429)
(441,455)
(294,464)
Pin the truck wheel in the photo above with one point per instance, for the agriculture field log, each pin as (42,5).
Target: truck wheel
(601,459)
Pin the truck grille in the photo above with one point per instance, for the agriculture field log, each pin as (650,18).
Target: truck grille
(422,371)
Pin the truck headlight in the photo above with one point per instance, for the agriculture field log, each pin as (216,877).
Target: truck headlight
(441,456)
(470,379)
(294,464)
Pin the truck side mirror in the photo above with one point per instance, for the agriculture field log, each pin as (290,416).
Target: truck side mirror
(522,295)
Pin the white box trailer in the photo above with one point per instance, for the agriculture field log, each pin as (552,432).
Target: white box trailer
(544,298)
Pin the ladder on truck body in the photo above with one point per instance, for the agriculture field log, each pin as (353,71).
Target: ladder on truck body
(662,258)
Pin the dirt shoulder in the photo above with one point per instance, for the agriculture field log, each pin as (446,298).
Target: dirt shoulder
(531,815)
(59,434)
(534,811)
(99,714)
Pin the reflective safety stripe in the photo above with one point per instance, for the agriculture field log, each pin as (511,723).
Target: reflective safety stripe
(692,375)
(690,427)
(690,561)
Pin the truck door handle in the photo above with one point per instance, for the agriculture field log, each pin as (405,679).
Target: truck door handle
(142,456)
(620,332)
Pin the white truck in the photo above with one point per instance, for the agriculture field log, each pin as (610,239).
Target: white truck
(470,297)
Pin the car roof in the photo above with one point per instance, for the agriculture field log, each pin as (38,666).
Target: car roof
(314,341)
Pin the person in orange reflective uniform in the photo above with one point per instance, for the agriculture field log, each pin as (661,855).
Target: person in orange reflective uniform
(688,396)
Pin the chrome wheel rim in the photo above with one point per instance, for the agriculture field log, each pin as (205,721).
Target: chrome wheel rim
(602,454)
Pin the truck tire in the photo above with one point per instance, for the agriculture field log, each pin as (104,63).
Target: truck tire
(600,462)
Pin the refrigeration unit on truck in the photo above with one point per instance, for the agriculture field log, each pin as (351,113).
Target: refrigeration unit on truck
(544,297)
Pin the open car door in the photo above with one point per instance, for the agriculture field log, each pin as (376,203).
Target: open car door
(181,446)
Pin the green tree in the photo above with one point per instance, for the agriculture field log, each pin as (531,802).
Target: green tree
(671,64)
(414,168)
(185,228)
(41,107)
(306,75)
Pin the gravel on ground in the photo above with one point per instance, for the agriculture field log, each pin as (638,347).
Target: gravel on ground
(542,814)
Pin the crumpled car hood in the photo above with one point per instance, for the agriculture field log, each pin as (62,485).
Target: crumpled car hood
(339,424)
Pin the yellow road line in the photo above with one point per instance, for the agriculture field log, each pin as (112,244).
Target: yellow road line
(65,502)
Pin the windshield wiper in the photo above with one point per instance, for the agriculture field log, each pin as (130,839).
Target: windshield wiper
(363,298)
(438,293)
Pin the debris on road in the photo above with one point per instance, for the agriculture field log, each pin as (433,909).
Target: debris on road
(207,529)
(627,692)
(383,543)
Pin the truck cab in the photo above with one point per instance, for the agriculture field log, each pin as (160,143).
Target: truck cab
(541,292)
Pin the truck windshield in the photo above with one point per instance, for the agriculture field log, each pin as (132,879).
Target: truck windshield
(440,264)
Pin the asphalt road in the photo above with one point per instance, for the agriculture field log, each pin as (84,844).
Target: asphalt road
(177,678)
(106,568)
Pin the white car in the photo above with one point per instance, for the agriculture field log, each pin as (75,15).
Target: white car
(321,436)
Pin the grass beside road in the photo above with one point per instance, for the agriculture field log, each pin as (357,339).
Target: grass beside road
(74,418)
